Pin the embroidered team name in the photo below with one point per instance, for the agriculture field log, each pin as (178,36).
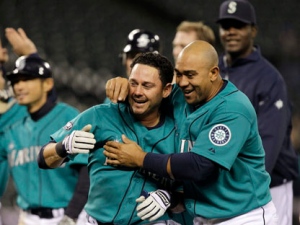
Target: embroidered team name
(24,156)
(186,145)
(219,135)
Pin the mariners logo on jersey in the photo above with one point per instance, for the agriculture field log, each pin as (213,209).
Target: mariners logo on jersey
(219,135)
(68,126)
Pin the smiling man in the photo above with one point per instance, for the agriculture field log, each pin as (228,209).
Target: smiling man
(221,160)
(243,64)
(143,118)
(33,87)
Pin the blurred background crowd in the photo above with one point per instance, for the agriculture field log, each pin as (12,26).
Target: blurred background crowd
(82,39)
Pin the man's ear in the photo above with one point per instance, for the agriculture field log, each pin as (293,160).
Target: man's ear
(167,90)
(214,73)
(254,31)
(48,84)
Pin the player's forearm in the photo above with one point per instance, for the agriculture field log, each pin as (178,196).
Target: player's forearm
(49,156)
(196,167)
(158,163)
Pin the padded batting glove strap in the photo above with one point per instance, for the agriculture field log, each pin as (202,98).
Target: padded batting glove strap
(153,205)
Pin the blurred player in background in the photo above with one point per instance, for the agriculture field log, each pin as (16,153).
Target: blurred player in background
(44,196)
(138,41)
(243,64)
(10,112)
(189,31)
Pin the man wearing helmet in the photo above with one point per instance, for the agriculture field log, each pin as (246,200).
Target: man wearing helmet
(44,196)
(10,112)
(139,41)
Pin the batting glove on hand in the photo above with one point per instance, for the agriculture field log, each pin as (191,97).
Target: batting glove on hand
(79,141)
(67,221)
(153,204)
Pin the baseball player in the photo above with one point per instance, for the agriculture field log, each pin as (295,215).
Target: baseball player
(222,160)
(189,31)
(243,64)
(113,190)
(10,112)
(43,196)
(138,41)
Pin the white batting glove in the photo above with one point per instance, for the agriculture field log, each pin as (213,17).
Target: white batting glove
(67,221)
(153,204)
(79,141)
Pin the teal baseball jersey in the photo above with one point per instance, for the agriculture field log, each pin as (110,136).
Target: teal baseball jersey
(225,131)
(13,114)
(20,146)
(113,190)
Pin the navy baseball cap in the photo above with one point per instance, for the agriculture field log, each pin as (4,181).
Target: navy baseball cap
(241,10)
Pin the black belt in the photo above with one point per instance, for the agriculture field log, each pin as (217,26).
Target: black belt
(45,213)
(99,223)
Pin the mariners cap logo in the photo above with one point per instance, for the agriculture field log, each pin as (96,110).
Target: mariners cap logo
(143,41)
(231,7)
(68,126)
(219,135)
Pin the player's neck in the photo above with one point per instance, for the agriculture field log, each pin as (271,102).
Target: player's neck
(231,57)
(151,120)
(215,91)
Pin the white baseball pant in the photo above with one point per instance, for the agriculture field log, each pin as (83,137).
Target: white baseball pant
(282,196)
(265,215)
(27,218)
(91,221)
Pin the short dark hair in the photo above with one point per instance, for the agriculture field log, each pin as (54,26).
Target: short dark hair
(158,61)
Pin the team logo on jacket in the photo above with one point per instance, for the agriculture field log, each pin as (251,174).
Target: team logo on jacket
(68,126)
(220,135)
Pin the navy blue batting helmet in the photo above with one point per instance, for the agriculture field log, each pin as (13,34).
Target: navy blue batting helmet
(31,66)
(142,41)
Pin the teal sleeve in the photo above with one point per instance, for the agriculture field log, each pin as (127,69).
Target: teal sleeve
(222,140)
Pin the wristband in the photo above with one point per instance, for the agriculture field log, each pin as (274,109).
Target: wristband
(60,150)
